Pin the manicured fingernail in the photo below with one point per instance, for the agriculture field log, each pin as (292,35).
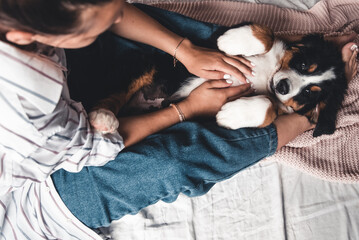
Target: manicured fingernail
(226,76)
(229,81)
(354,47)
(248,81)
(253,64)
(253,73)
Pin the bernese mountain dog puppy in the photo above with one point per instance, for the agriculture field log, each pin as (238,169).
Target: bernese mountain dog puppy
(306,77)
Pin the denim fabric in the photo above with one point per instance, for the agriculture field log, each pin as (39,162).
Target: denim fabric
(188,157)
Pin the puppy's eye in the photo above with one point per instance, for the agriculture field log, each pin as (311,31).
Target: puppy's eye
(303,66)
(307,92)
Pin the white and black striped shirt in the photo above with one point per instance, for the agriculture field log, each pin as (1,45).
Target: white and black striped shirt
(41,131)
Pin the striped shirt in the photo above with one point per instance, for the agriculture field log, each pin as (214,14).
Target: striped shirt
(41,131)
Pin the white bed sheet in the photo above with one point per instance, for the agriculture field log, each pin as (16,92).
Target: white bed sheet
(266,201)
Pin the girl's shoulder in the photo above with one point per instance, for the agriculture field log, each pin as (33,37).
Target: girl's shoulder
(35,78)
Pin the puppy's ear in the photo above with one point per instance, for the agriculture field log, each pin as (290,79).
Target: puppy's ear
(328,115)
(326,121)
(308,41)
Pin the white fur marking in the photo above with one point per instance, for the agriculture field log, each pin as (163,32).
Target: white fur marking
(244,112)
(297,81)
(103,120)
(240,41)
(189,85)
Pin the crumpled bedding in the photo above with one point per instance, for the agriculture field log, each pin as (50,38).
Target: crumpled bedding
(269,200)
(294,4)
(266,201)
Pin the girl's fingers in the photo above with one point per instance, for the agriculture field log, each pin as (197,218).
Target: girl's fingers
(214,75)
(242,94)
(240,90)
(218,83)
(235,69)
(243,60)
(228,91)
(246,70)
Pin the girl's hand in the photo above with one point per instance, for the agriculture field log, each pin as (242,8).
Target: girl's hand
(208,98)
(211,64)
(205,100)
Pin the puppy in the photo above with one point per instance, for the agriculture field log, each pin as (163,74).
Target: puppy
(306,77)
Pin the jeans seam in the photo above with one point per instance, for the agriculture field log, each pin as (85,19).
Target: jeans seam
(273,141)
(270,133)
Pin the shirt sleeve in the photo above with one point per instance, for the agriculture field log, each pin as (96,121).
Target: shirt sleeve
(45,143)
(71,142)
(41,128)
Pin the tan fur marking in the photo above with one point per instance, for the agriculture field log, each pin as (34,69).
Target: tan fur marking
(312,68)
(288,54)
(117,100)
(313,114)
(271,114)
(281,112)
(114,102)
(139,83)
(263,34)
(293,104)
(315,89)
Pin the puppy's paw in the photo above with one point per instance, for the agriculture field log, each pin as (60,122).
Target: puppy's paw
(103,120)
(248,40)
(256,111)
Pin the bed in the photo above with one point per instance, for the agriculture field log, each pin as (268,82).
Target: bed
(308,190)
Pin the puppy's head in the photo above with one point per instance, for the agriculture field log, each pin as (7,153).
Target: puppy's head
(312,81)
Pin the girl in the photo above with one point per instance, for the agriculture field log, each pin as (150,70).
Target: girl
(43,131)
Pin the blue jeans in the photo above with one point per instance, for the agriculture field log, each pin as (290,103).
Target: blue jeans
(186,158)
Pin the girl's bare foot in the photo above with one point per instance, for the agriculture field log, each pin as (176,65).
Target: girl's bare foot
(349,56)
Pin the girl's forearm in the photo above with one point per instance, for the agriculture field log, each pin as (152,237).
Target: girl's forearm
(290,126)
(135,128)
(140,27)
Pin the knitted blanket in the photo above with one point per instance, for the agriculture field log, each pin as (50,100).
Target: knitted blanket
(331,157)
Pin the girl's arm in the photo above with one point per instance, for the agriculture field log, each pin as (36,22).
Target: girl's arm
(206,63)
(206,100)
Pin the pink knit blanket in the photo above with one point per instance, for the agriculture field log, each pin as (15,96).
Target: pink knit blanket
(332,157)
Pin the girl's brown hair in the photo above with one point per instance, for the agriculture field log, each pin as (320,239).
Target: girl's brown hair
(42,16)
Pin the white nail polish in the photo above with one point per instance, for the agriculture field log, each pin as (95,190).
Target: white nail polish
(248,81)
(354,47)
(253,64)
(229,81)
(226,76)
(253,73)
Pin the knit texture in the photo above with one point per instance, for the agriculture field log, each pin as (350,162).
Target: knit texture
(331,157)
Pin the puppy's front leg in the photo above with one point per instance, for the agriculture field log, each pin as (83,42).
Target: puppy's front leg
(255,111)
(103,115)
(247,40)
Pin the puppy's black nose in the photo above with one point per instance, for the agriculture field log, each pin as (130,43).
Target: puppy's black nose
(282,87)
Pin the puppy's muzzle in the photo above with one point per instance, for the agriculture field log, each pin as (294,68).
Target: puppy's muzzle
(282,87)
